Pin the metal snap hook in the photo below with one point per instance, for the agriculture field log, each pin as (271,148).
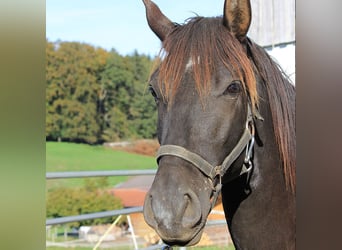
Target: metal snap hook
(249,149)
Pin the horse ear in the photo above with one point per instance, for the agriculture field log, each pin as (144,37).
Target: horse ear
(237,17)
(157,21)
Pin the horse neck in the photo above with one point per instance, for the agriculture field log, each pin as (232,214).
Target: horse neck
(264,207)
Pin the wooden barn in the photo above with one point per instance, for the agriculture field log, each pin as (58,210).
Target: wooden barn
(273,27)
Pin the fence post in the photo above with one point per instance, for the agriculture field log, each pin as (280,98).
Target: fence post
(65,233)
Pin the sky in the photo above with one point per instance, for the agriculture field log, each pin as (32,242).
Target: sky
(118,24)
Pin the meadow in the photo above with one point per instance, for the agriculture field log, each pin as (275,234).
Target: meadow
(63,156)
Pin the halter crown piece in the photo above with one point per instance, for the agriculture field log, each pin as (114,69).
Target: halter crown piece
(213,172)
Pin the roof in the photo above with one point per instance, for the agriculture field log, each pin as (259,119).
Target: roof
(130,197)
(132,192)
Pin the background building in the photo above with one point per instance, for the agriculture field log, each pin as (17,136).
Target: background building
(273,27)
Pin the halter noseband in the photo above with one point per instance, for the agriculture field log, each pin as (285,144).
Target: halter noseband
(212,172)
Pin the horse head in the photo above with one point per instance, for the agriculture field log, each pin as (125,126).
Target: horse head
(205,93)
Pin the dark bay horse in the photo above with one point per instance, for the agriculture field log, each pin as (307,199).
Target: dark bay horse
(226,124)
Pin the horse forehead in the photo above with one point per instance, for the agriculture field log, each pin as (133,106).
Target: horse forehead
(191,62)
(219,77)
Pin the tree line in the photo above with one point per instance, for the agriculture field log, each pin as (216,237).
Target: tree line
(95,96)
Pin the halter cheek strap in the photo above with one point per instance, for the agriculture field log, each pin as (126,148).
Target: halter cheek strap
(212,172)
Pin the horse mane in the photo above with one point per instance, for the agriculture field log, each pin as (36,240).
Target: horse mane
(204,41)
(281,98)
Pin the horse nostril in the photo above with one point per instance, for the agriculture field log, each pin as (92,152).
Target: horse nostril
(192,210)
(148,212)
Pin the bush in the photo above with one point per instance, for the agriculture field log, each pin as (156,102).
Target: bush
(93,197)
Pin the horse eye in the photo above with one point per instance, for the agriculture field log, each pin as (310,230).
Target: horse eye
(153,93)
(233,88)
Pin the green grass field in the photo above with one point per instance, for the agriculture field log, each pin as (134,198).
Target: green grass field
(62,156)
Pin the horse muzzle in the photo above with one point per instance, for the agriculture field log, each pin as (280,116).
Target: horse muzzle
(177,205)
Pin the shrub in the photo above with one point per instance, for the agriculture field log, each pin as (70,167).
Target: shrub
(93,197)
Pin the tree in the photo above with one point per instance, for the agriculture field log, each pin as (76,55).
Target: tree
(95,96)
(143,108)
(73,91)
(116,83)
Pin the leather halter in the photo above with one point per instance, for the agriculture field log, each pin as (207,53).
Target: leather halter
(213,172)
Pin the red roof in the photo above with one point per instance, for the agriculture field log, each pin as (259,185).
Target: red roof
(132,193)
(130,197)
